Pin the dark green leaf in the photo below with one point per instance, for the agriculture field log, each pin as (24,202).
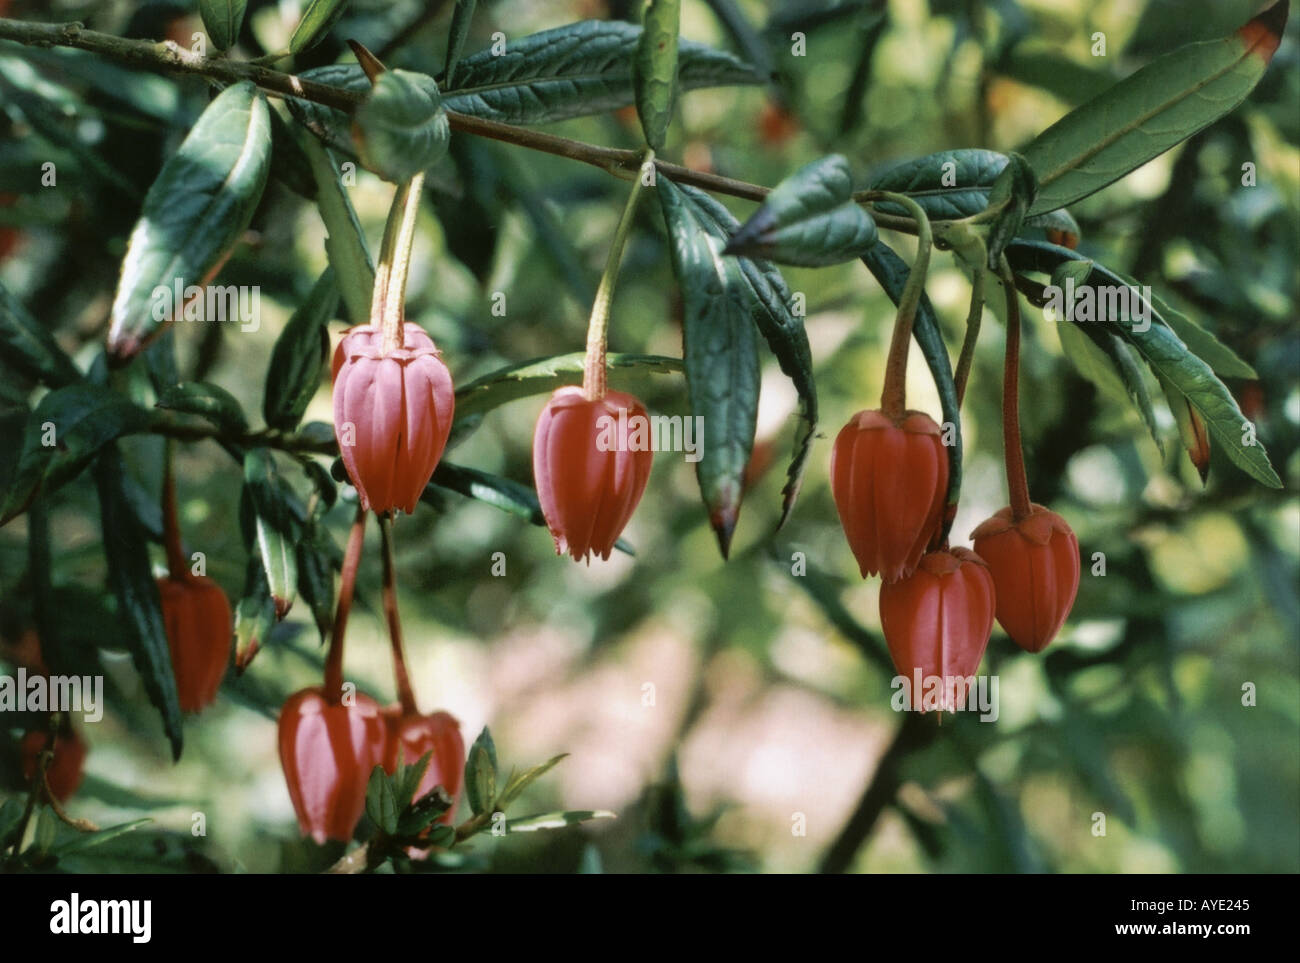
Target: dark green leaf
(345,242)
(194,213)
(381,802)
(461,16)
(317,19)
(1150,111)
(772,308)
(580,69)
(1014,191)
(401,128)
(720,354)
(300,356)
(809,219)
(84,841)
(222,20)
(27,346)
(254,614)
(276,527)
(481,774)
(211,401)
(949,185)
(892,271)
(129,574)
(317,556)
(654,69)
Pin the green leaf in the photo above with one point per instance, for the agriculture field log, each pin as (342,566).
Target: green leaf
(222,20)
(1222,359)
(381,801)
(317,556)
(949,185)
(809,219)
(542,376)
(720,354)
(461,16)
(254,614)
(1191,429)
(126,553)
(517,783)
(1144,115)
(771,307)
(481,774)
(892,271)
(276,528)
(406,780)
(211,401)
(401,129)
(300,356)
(1014,190)
(27,346)
(556,820)
(84,841)
(345,242)
(64,434)
(194,213)
(573,71)
(654,70)
(317,19)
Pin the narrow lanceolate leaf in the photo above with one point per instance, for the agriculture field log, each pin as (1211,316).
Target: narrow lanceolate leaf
(1144,115)
(655,69)
(1222,359)
(211,401)
(276,527)
(27,346)
(401,129)
(573,71)
(222,20)
(461,18)
(809,219)
(892,271)
(254,615)
(300,356)
(63,435)
(720,352)
(194,213)
(772,308)
(544,375)
(318,556)
(556,820)
(1192,430)
(345,243)
(318,16)
(949,185)
(126,553)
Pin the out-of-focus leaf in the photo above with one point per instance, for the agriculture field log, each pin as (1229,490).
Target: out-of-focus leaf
(222,20)
(381,803)
(461,17)
(84,841)
(127,555)
(556,820)
(720,354)
(481,774)
(401,129)
(194,213)
(300,355)
(809,219)
(1150,111)
(27,346)
(276,527)
(654,70)
(318,16)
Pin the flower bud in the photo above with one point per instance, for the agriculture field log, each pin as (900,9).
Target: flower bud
(392,414)
(938,620)
(328,750)
(1035,566)
(196,616)
(889,481)
(589,478)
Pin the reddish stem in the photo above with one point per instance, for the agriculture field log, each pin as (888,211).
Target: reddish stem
(401,677)
(347,584)
(1017,483)
(176,566)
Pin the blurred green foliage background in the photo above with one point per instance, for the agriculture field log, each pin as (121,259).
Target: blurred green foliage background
(719,708)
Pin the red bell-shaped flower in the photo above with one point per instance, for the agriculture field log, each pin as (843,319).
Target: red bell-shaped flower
(937,620)
(591,462)
(392,414)
(1035,566)
(328,750)
(889,480)
(63,775)
(196,616)
(410,737)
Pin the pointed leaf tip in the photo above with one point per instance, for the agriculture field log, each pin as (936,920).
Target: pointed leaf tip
(1263,34)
